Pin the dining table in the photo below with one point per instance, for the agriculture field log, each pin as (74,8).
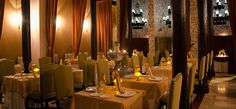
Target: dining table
(153,86)
(16,87)
(109,98)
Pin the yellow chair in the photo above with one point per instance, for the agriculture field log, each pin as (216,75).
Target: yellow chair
(103,70)
(63,83)
(170,100)
(200,76)
(167,53)
(156,58)
(140,58)
(175,92)
(47,87)
(81,59)
(6,68)
(208,64)
(44,61)
(190,85)
(211,63)
(150,59)
(135,61)
(88,75)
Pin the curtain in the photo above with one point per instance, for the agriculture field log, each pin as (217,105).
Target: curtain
(2,3)
(123,22)
(232,17)
(51,14)
(79,7)
(104,25)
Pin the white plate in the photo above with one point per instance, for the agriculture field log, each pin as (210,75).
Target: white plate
(126,94)
(105,96)
(155,67)
(91,89)
(155,78)
(95,94)
(128,76)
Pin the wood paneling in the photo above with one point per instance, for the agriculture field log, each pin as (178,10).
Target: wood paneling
(141,44)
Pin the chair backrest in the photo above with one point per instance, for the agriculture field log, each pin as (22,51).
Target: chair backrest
(89,72)
(47,84)
(125,61)
(140,58)
(56,59)
(190,83)
(208,62)
(202,68)
(157,56)
(167,53)
(211,58)
(103,70)
(44,61)
(175,92)
(81,59)
(135,60)
(6,68)
(150,59)
(63,82)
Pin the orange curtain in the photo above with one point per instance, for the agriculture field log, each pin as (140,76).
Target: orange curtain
(2,3)
(232,17)
(51,14)
(104,25)
(123,22)
(79,7)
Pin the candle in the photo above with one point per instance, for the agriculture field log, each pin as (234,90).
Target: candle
(141,10)
(217,12)
(133,10)
(168,7)
(226,12)
(164,18)
(110,50)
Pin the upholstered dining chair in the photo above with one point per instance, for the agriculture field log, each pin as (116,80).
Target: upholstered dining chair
(211,63)
(198,82)
(167,53)
(150,59)
(135,60)
(88,75)
(44,61)
(6,68)
(81,59)
(63,83)
(171,100)
(140,57)
(103,70)
(47,87)
(190,85)
(207,64)
(156,58)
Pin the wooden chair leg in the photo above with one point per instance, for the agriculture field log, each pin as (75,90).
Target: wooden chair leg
(58,104)
(0,97)
(26,103)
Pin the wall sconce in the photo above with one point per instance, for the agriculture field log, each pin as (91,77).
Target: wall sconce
(138,21)
(17,17)
(220,13)
(166,18)
(85,26)
(58,23)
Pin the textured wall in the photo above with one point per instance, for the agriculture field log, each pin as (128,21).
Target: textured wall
(154,11)
(194,27)
(221,30)
(10,42)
